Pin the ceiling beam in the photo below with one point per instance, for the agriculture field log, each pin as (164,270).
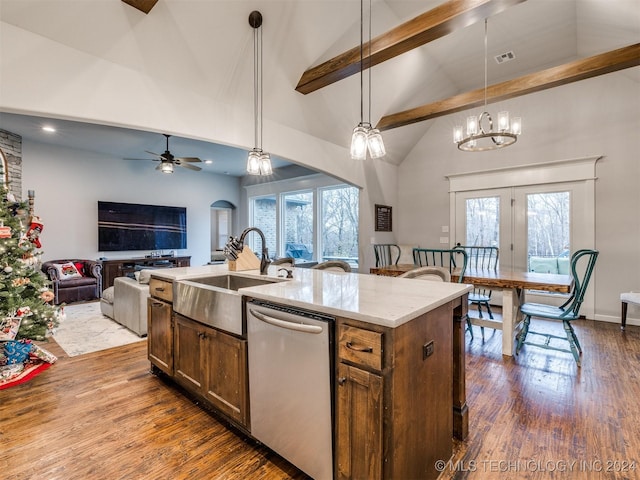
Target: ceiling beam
(142,5)
(431,25)
(582,69)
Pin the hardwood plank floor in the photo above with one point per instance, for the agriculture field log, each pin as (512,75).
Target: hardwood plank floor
(539,416)
(104,416)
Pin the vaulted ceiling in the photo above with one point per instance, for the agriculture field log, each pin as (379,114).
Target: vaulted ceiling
(207,45)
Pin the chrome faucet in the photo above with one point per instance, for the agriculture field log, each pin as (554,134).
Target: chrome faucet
(264,261)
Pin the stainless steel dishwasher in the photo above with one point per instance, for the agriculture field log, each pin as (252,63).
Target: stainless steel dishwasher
(290,384)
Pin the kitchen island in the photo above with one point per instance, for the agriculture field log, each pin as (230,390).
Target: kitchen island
(397,362)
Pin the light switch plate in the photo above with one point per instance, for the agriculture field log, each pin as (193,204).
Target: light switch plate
(445,228)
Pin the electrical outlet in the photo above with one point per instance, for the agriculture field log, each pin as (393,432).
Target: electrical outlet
(372,240)
(427,350)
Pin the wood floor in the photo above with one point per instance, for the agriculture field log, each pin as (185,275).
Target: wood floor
(535,416)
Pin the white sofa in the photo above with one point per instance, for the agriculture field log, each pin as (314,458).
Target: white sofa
(127,302)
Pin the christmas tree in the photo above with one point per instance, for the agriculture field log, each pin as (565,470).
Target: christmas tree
(24,289)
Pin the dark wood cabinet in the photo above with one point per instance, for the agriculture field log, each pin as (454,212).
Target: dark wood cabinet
(160,325)
(160,335)
(359,441)
(188,349)
(394,397)
(213,365)
(125,266)
(227,386)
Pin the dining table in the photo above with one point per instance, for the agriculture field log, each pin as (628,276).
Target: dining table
(511,282)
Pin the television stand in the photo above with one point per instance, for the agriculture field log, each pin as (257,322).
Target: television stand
(125,266)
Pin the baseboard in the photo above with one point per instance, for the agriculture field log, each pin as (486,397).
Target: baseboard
(616,319)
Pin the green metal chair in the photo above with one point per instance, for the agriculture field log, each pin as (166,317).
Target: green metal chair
(481,258)
(567,312)
(448,259)
(386,254)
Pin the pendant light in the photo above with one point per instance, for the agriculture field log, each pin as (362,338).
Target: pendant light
(364,137)
(258,161)
(478,139)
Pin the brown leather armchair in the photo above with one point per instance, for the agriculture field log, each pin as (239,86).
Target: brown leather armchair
(78,288)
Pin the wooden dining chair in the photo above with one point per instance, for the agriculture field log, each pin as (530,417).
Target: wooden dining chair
(335,265)
(481,258)
(449,259)
(438,274)
(568,311)
(386,254)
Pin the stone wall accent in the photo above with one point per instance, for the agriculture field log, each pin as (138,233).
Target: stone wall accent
(11,146)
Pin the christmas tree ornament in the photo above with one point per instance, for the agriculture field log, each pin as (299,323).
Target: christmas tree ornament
(47,296)
(8,269)
(35,228)
(5,232)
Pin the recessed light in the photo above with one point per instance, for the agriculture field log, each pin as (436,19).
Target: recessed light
(208,162)
(49,129)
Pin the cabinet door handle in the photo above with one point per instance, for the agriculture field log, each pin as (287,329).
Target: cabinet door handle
(342,380)
(159,289)
(156,304)
(350,346)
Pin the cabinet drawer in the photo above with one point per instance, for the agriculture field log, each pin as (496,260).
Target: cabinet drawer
(360,346)
(161,289)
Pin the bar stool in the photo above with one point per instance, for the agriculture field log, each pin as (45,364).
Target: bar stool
(626,299)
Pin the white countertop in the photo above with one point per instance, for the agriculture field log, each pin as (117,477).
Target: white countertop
(380,300)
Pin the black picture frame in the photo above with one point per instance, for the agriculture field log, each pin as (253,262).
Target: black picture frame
(384,220)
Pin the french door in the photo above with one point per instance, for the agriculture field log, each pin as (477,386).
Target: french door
(537,214)
(525,223)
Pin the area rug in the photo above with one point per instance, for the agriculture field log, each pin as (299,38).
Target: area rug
(84,330)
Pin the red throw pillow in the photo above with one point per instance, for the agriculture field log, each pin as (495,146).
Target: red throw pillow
(80,268)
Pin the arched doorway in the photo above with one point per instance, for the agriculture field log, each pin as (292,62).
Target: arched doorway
(221,228)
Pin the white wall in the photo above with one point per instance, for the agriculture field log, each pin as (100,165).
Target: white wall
(69,183)
(43,77)
(600,116)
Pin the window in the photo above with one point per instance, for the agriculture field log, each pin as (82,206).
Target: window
(483,221)
(263,214)
(340,224)
(310,219)
(548,232)
(298,224)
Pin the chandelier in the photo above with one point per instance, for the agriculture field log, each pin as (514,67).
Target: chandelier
(478,137)
(364,136)
(258,162)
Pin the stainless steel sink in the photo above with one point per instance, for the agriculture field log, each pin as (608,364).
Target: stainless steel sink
(232,282)
(215,300)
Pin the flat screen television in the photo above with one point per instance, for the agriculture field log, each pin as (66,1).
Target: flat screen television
(131,226)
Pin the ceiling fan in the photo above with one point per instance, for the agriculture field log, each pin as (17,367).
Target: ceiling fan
(168,161)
